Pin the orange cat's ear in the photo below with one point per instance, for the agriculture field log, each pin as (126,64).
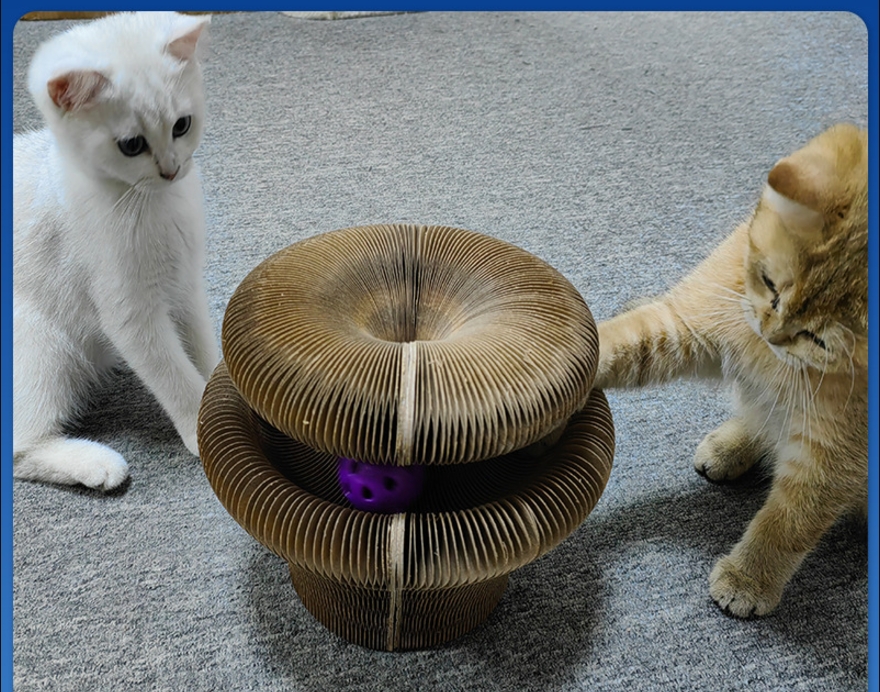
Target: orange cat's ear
(801,179)
(799,190)
(186,37)
(794,192)
(76,90)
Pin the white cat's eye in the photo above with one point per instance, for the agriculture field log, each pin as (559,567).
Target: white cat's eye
(133,146)
(181,127)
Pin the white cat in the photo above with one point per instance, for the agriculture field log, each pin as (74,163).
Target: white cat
(108,237)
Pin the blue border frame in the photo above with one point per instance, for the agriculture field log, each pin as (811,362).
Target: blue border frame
(870,17)
(867,10)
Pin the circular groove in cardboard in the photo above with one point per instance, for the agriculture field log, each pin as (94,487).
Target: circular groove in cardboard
(503,349)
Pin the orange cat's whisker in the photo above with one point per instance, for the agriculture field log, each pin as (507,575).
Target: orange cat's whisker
(791,383)
(777,376)
(809,397)
(852,369)
(729,299)
(727,289)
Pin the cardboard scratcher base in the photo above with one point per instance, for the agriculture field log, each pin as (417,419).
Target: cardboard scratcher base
(404,620)
(414,579)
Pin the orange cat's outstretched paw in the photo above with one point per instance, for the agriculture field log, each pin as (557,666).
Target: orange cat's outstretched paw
(739,594)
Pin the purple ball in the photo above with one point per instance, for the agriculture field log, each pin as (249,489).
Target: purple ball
(380,487)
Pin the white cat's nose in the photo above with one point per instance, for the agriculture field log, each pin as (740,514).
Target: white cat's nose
(169,175)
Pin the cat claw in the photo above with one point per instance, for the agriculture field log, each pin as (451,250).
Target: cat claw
(702,472)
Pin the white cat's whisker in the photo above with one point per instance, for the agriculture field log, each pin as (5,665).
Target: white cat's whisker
(129,202)
(128,205)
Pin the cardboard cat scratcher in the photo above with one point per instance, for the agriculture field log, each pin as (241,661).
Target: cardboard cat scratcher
(406,345)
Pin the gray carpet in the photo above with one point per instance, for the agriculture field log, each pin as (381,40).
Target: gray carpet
(620,148)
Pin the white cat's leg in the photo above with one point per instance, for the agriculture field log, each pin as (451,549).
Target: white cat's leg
(197,331)
(803,503)
(147,339)
(727,452)
(50,375)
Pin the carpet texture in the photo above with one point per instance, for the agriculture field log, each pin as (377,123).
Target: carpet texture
(620,148)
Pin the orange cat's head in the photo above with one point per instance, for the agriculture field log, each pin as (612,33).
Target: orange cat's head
(807,257)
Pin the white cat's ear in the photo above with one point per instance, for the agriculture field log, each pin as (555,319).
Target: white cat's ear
(185,37)
(76,90)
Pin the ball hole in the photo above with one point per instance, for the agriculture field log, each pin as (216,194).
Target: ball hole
(366,493)
(389,483)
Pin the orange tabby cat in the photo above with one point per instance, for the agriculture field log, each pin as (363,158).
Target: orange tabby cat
(780,309)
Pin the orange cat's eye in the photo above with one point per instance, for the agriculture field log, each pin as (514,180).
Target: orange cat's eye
(812,337)
(768,283)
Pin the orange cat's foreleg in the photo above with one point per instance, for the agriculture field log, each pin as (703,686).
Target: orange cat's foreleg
(802,505)
(649,345)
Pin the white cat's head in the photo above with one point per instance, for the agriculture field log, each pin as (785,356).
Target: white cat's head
(123,95)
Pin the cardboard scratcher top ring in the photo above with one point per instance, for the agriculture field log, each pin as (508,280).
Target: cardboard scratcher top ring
(406,344)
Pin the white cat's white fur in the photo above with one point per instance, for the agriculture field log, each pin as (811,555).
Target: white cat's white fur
(108,249)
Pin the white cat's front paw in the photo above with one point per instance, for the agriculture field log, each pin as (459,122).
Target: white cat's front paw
(189,436)
(740,594)
(188,432)
(72,462)
(105,473)
(187,428)
(192,443)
